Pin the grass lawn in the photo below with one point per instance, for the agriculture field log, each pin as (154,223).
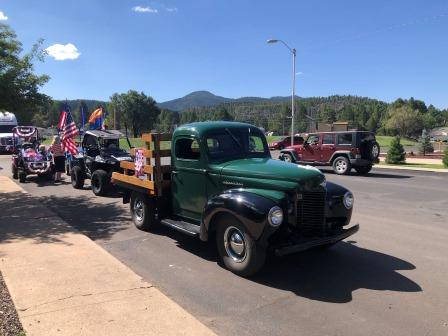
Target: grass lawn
(385,140)
(416,165)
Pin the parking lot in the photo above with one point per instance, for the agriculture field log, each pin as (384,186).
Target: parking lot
(389,279)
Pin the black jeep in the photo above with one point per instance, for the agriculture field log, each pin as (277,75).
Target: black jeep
(99,158)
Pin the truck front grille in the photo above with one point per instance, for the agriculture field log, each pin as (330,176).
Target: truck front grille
(311,213)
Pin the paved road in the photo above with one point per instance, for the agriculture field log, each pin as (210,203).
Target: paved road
(390,279)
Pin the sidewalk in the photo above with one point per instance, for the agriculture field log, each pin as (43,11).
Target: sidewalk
(62,283)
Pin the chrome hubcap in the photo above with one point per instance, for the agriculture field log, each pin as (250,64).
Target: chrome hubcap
(138,210)
(287,158)
(375,151)
(341,166)
(234,244)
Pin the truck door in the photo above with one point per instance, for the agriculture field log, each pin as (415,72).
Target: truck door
(311,149)
(327,148)
(188,178)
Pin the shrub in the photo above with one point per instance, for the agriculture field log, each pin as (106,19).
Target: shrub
(396,153)
(445,157)
(424,144)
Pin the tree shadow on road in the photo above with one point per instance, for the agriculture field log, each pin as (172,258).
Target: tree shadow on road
(24,216)
(333,275)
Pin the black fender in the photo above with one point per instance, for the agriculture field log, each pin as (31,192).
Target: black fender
(336,209)
(347,154)
(290,151)
(250,209)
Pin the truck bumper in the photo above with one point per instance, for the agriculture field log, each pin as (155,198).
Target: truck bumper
(308,244)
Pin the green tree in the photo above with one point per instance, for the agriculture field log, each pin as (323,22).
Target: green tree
(445,157)
(137,110)
(222,114)
(396,153)
(19,85)
(404,121)
(424,144)
(167,121)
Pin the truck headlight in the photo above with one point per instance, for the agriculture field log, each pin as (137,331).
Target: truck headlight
(348,200)
(275,216)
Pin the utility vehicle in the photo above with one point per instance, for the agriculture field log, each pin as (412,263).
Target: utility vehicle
(223,185)
(99,157)
(29,158)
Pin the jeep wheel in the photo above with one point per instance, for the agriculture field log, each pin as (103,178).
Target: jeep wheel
(15,172)
(363,170)
(143,212)
(77,177)
(341,165)
(375,150)
(287,157)
(22,176)
(240,253)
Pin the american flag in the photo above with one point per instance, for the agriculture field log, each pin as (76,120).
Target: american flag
(69,131)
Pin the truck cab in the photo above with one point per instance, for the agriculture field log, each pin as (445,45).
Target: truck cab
(224,186)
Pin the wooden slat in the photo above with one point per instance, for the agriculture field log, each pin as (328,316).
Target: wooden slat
(151,137)
(133,180)
(147,169)
(151,154)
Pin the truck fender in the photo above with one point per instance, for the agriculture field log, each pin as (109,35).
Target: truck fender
(290,151)
(250,209)
(347,154)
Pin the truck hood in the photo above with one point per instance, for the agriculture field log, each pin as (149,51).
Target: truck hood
(266,172)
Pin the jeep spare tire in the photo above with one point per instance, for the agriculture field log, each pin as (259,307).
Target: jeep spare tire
(77,177)
(375,150)
(100,182)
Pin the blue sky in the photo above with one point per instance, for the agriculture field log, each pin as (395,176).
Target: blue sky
(380,49)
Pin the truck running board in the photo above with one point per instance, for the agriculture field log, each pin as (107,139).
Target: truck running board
(181,226)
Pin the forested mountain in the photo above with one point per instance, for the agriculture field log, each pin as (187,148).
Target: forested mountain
(194,99)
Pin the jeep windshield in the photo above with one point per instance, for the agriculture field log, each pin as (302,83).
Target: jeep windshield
(236,143)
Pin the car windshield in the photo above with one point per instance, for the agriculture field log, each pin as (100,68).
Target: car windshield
(6,128)
(230,144)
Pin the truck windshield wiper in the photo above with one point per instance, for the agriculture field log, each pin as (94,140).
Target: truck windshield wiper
(234,138)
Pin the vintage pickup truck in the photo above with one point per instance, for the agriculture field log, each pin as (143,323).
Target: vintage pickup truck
(222,184)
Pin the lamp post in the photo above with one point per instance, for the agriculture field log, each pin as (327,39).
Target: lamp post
(293,52)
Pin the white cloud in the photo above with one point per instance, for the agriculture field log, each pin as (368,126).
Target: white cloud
(3,17)
(172,9)
(300,73)
(140,9)
(62,52)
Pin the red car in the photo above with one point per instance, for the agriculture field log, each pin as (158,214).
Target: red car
(285,142)
(341,150)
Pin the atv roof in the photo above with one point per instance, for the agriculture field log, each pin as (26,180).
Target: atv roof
(106,134)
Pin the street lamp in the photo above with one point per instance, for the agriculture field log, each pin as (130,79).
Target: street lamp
(293,52)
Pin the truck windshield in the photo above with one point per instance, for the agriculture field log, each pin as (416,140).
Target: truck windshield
(231,144)
(6,128)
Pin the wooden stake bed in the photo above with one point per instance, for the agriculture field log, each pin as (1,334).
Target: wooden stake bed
(153,181)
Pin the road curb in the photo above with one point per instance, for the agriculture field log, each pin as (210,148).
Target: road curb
(442,171)
(63,283)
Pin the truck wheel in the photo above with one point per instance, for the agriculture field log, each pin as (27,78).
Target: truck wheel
(143,211)
(375,150)
(15,172)
(22,176)
(77,177)
(341,165)
(240,253)
(287,157)
(100,182)
(363,170)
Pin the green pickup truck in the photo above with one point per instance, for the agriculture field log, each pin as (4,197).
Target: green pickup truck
(223,185)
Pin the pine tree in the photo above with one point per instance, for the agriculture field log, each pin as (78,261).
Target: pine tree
(445,157)
(396,153)
(424,144)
